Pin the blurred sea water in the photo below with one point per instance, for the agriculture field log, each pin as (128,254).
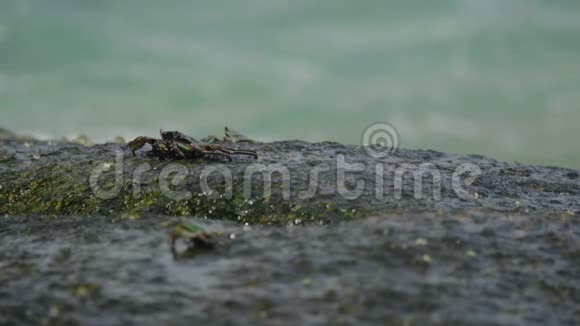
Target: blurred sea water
(494,77)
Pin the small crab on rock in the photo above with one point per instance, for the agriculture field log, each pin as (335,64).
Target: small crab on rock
(198,237)
(176,145)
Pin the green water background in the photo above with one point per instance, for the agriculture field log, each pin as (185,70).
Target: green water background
(494,77)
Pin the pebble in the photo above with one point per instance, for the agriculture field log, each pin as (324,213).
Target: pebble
(421,242)
(86,290)
(119,140)
(470,253)
(54,311)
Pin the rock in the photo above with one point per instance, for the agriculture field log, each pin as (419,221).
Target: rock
(119,140)
(87,228)
(83,140)
(6,134)
(79,180)
(370,267)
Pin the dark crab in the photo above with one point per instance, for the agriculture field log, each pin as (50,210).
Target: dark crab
(176,145)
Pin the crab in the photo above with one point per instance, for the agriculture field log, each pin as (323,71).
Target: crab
(197,236)
(176,145)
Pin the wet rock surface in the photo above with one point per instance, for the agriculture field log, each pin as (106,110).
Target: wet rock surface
(53,178)
(504,249)
(416,267)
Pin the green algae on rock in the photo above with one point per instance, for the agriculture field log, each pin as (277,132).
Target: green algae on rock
(276,189)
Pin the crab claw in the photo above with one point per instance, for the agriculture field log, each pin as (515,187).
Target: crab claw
(137,143)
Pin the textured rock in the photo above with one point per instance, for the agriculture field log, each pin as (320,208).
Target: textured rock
(503,248)
(54,179)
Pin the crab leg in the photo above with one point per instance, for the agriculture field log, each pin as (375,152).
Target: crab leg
(139,142)
(231,151)
(245,152)
(218,153)
(176,150)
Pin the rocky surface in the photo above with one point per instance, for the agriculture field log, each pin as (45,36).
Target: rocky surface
(502,247)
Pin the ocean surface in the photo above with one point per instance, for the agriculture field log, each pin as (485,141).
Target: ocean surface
(493,77)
